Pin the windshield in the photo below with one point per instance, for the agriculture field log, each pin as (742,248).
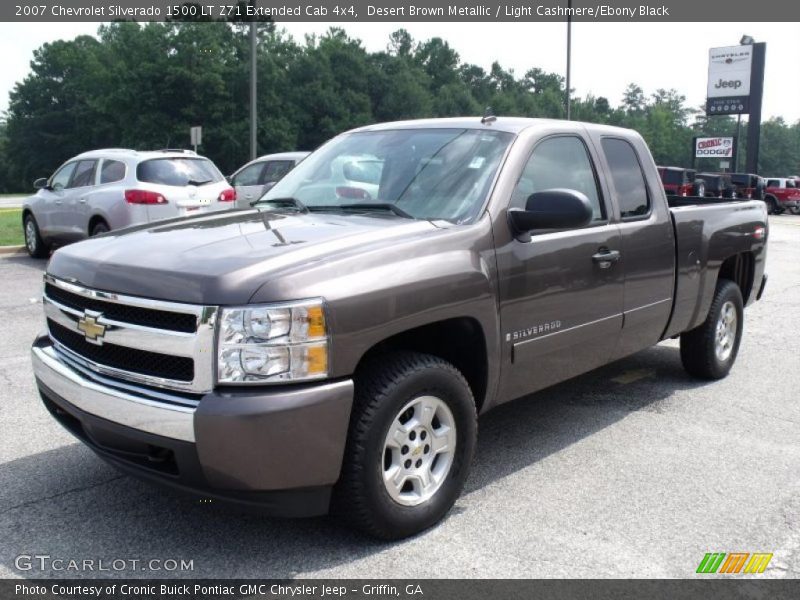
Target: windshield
(178,171)
(427,173)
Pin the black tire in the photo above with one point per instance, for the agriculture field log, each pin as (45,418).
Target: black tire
(384,387)
(700,189)
(98,228)
(34,243)
(773,208)
(699,346)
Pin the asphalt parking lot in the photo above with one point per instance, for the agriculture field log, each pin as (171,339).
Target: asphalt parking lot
(634,470)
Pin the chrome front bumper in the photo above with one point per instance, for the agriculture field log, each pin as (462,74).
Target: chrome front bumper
(116,405)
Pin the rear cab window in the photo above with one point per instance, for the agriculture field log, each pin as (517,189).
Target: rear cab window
(178,171)
(628,178)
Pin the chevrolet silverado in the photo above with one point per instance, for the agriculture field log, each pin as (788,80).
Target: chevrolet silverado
(331,348)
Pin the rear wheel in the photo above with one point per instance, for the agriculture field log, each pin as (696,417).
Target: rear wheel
(795,210)
(411,440)
(34,243)
(709,351)
(98,228)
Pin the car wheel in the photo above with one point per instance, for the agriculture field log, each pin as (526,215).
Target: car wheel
(34,243)
(412,436)
(795,210)
(772,206)
(98,228)
(709,351)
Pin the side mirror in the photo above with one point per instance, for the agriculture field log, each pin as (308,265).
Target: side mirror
(229,179)
(552,209)
(40,183)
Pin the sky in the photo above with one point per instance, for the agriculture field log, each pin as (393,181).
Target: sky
(606,57)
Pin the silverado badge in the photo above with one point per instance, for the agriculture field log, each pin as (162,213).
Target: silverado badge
(91,329)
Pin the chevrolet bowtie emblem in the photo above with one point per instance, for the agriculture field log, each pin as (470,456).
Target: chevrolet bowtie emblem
(92,330)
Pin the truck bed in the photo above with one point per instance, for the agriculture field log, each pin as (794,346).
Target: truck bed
(707,231)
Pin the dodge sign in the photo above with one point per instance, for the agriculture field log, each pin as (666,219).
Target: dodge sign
(713,147)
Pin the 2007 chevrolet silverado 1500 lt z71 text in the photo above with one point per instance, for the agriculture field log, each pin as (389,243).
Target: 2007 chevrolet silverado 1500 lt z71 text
(331,348)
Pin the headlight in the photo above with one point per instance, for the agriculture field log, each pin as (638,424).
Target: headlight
(272,342)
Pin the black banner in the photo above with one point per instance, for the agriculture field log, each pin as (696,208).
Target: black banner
(708,588)
(405,11)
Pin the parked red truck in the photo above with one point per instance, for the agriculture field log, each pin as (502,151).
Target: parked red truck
(782,194)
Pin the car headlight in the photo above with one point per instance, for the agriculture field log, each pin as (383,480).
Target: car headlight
(272,343)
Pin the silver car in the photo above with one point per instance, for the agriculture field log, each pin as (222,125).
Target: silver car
(102,190)
(255,178)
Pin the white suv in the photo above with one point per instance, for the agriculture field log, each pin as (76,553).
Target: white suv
(102,190)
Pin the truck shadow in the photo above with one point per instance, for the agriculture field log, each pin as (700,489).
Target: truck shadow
(66,503)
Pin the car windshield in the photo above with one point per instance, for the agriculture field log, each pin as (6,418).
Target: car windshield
(178,171)
(426,173)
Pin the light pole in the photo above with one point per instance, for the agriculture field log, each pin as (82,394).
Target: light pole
(253,78)
(569,58)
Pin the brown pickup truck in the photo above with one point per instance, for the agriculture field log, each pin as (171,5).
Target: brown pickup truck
(332,347)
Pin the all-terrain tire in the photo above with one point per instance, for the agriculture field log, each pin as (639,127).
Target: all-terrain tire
(709,351)
(383,387)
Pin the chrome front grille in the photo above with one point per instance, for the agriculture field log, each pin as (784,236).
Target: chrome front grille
(151,342)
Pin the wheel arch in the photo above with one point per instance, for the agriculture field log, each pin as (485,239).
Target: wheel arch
(460,341)
(94,220)
(740,269)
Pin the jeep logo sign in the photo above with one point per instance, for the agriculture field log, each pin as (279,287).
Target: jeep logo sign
(729,70)
(736,84)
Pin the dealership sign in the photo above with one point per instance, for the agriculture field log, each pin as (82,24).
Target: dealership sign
(729,71)
(713,147)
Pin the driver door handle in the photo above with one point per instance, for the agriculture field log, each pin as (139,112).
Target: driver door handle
(605,258)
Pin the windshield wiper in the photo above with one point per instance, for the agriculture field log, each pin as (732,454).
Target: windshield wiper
(378,206)
(193,182)
(287,202)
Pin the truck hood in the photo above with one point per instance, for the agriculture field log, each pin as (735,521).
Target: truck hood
(222,258)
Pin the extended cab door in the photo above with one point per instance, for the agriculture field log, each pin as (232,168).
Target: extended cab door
(560,291)
(648,241)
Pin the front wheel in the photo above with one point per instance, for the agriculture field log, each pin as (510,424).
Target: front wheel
(773,208)
(709,351)
(412,436)
(34,243)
